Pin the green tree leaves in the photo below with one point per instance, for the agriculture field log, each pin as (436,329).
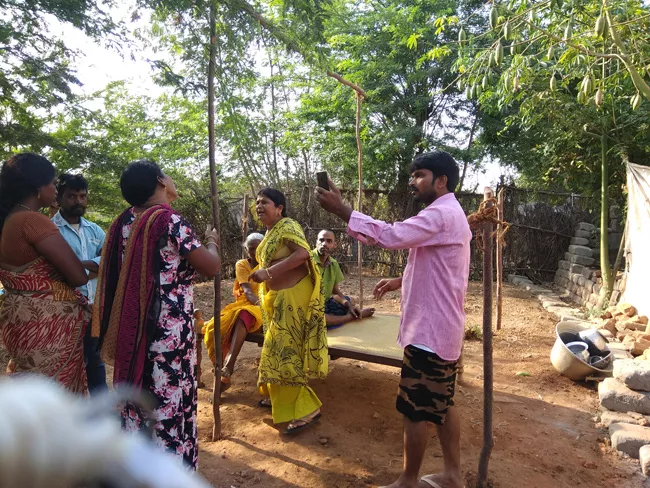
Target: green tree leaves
(37,74)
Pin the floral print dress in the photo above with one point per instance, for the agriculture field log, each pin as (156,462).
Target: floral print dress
(170,371)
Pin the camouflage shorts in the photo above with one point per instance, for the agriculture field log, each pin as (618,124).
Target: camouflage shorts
(426,388)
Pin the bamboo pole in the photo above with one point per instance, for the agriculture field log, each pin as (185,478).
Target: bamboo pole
(488,379)
(500,261)
(359,98)
(214,193)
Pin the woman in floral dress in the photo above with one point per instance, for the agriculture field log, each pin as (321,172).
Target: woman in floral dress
(144,307)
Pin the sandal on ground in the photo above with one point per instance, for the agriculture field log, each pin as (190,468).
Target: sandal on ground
(264,403)
(428,481)
(294,427)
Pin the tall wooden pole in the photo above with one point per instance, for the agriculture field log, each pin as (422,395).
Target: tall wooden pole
(488,377)
(214,192)
(359,97)
(500,262)
(244,226)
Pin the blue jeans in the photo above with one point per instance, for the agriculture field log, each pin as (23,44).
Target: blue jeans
(95,369)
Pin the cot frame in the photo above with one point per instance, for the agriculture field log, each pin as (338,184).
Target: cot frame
(338,352)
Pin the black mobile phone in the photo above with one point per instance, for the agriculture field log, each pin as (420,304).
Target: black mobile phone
(321,178)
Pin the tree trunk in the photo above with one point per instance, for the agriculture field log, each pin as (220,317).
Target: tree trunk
(466,159)
(216,391)
(274,135)
(605,267)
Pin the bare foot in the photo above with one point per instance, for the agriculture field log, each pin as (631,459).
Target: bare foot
(402,482)
(367,312)
(440,480)
(461,380)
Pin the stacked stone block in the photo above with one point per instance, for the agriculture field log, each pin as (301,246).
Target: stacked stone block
(625,403)
(578,274)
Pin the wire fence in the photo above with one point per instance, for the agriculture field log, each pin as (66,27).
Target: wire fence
(542,224)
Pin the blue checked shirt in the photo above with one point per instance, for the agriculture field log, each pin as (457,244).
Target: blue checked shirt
(87,245)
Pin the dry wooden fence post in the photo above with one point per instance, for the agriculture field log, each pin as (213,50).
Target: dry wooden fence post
(499,260)
(244,226)
(488,379)
(359,98)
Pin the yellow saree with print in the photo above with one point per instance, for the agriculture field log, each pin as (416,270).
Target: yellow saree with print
(295,338)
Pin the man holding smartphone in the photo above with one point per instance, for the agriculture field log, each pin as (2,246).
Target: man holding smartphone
(433,319)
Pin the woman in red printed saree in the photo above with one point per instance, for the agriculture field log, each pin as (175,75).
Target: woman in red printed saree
(144,307)
(42,317)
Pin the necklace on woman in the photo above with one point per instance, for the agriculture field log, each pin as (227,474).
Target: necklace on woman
(24,206)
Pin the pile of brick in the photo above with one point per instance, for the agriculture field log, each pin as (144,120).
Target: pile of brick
(623,324)
(578,274)
(625,398)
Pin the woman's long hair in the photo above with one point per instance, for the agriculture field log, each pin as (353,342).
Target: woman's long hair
(20,177)
(139,181)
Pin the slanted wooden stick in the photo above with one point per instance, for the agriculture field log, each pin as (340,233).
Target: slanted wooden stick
(214,193)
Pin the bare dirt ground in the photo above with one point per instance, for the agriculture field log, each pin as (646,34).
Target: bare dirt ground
(545,434)
(543,423)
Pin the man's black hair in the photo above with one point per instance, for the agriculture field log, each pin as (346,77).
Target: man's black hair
(73,182)
(440,163)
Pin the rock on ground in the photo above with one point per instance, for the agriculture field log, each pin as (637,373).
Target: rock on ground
(614,395)
(619,351)
(629,438)
(586,226)
(634,374)
(644,458)
(608,418)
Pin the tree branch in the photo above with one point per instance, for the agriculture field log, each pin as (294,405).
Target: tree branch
(637,79)
(291,44)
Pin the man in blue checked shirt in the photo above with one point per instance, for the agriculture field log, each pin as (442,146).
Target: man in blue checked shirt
(86,240)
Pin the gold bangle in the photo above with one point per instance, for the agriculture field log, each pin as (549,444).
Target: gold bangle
(268,273)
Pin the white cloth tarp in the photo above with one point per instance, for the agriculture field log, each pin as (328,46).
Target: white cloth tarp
(637,248)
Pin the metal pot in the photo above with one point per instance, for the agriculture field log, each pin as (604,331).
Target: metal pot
(595,340)
(601,362)
(579,349)
(567,337)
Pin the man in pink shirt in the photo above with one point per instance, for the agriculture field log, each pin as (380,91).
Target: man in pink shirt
(433,320)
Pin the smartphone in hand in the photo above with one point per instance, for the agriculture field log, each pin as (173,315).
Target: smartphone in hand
(322,179)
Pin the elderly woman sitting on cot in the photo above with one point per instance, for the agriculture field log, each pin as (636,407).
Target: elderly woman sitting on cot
(238,318)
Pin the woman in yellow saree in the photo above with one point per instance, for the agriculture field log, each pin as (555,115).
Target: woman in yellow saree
(239,318)
(295,340)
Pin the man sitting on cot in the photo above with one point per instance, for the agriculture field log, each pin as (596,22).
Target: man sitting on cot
(339,309)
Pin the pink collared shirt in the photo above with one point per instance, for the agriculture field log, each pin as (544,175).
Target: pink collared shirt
(435,279)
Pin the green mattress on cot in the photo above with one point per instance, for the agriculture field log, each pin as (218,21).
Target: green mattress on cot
(372,340)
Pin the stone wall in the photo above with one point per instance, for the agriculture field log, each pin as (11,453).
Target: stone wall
(578,275)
